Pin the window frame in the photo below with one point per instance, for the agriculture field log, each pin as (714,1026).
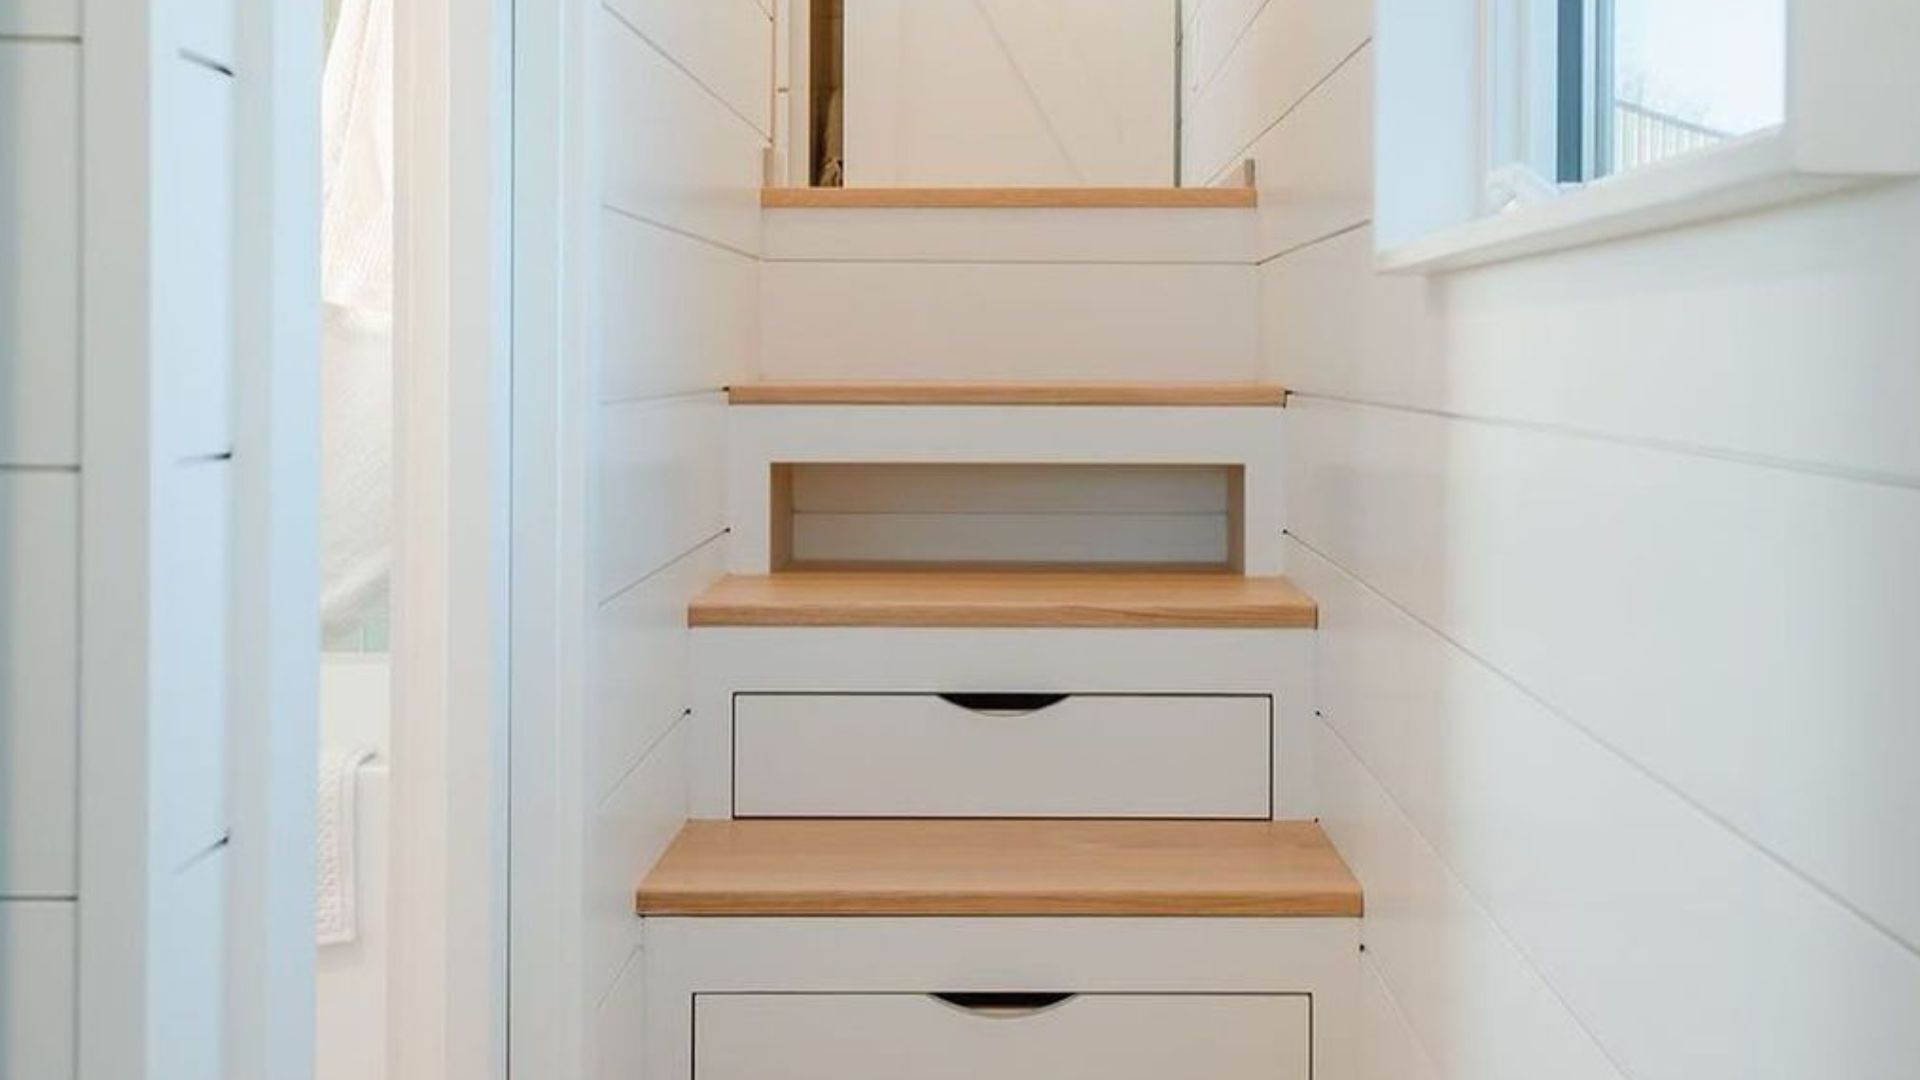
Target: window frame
(1463,175)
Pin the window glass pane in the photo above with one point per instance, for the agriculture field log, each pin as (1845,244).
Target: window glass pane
(1682,74)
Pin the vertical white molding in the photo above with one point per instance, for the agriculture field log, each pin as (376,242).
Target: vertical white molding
(453,139)
(276,543)
(556,202)
(116,878)
(793,79)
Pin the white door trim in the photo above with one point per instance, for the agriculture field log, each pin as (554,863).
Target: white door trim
(452,333)
(554,206)
(274,749)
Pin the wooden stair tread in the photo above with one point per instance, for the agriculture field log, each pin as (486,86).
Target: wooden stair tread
(1009,198)
(1004,598)
(981,392)
(997,867)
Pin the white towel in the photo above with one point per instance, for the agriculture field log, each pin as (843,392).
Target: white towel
(356,105)
(357,320)
(336,919)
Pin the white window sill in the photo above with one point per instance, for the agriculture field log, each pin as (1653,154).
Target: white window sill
(1734,178)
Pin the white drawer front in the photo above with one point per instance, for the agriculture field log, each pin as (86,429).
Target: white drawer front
(924,755)
(918,1037)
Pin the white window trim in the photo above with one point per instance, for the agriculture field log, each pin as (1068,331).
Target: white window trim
(1736,177)
(1853,117)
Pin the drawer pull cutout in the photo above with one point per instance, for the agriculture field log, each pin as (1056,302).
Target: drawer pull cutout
(1005,1005)
(1003,704)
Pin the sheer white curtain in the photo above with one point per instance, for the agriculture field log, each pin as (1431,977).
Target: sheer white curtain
(357,287)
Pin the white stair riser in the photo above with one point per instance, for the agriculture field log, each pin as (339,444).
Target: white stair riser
(690,961)
(765,435)
(730,663)
(1040,235)
(923,755)
(1009,320)
(923,1037)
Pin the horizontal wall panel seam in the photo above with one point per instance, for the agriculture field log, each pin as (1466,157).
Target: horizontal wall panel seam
(1371,970)
(1238,155)
(1239,38)
(621,18)
(1823,470)
(634,957)
(662,568)
(641,760)
(1631,762)
(910,260)
(1479,904)
(1305,245)
(654,399)
(642,219)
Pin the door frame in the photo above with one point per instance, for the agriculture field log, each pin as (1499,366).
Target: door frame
(555,204)
(265,912)
(453,388)
(276,543)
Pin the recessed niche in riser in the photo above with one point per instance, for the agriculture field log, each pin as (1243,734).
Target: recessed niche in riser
(843,516)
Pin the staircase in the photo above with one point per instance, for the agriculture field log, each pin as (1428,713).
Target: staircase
(997,764)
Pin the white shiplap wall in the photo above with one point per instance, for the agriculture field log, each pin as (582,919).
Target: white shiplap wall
(1614,556)
(680,123)
(112,891)
(39,534)
(39,448)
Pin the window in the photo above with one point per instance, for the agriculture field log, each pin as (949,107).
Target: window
(1508,128)
(1642,81)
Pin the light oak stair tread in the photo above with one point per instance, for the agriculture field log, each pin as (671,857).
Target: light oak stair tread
(1010,198)
(985,392)
(1004,598)
(1001,867)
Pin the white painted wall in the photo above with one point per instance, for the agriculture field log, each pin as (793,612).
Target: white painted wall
(998,92)
(679,113)
(1614,556)
(1009,294)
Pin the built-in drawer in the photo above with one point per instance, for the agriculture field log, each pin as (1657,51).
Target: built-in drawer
(1002,755)
(1003,1036)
